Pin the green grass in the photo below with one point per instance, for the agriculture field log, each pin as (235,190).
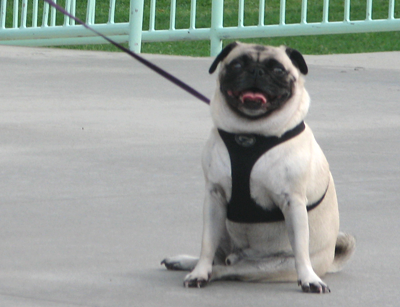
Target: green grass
(321,44)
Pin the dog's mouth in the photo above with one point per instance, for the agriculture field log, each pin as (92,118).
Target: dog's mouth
(253,98)
(249,96)
(253,102)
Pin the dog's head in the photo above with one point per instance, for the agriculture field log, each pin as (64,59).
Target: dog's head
(256,80)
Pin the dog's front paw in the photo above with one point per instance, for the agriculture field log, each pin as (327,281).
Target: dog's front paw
(195,282)
(317,286)
(199,278)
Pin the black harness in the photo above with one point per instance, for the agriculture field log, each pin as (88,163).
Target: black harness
(244,151)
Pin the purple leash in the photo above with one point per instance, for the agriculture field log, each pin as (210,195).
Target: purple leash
(150,65)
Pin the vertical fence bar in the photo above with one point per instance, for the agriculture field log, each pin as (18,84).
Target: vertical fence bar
(91,12)
(3,5)
(346,10)
(172,15)
(93,15)
(68,9)
(53,13)
(35,10)
(24,13)
(45,17)
(73,12)
(391,10)
(136,25)
(325,12)
(241,14)
(111,12)
(88,10)
(303,12)
(282,13)
(152,22)
(217,20)
(261,13)
(15,14)
(369,10)
(193,8)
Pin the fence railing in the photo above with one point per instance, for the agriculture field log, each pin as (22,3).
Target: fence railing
(34,23)
(44,26)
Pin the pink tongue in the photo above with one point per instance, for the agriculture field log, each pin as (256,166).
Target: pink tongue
(253,97)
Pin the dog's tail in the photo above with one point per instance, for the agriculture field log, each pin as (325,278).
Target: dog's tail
(344,249)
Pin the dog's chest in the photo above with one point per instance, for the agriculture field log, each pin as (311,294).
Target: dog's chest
(250,169)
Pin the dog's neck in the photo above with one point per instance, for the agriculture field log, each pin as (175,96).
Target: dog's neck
(275,124)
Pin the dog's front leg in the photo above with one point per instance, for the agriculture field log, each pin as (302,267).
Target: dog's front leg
(296,218)
(214,216)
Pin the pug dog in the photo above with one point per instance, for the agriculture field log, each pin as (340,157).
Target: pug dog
(270,209)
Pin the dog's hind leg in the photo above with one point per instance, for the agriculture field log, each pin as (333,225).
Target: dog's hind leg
(180,263)
(279,268)
(187,263)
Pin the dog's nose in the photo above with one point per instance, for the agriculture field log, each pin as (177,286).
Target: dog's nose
(258,72)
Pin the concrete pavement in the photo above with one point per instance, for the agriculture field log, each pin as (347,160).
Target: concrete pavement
(101,179)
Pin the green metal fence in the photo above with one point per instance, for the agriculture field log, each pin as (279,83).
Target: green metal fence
(34,23)
(42,26)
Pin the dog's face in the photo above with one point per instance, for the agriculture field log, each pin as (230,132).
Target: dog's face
(257,80)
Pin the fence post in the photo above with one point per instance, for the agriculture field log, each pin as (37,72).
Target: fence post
(217,19)
(136,25)
(3,6)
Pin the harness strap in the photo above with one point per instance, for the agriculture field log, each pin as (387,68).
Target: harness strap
(244,151)
(142,60)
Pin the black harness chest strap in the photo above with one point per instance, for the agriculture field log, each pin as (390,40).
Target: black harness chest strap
(244,151)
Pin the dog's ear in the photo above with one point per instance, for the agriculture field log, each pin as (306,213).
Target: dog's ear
(297,59)
(221,56)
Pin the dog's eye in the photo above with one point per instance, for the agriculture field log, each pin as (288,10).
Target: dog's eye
(236,65)
(279,71)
